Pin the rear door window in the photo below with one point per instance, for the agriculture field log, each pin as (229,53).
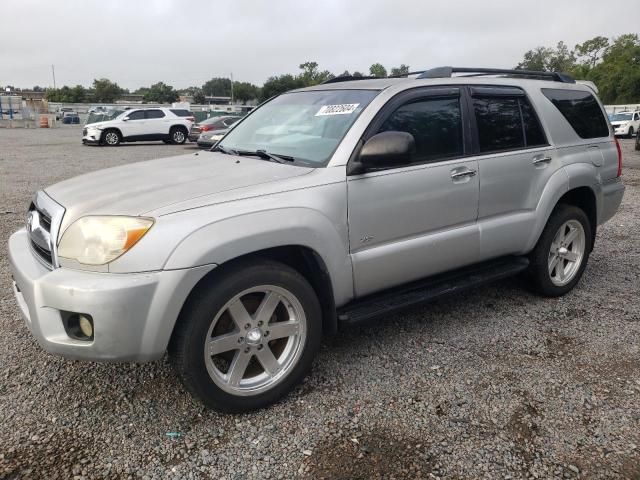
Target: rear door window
(181,113)
(155,114)
(506,122)
(581,110)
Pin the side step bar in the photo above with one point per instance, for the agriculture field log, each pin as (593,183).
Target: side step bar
(381,304)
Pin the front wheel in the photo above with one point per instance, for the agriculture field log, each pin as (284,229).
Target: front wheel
(111,138)
(630,135)
(247,336)
(561,254)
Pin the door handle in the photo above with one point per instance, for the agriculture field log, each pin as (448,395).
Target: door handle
(462,174)
(540,160)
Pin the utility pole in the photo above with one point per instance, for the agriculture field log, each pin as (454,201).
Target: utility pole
(231,88)
(53,72)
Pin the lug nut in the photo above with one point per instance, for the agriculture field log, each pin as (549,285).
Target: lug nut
(240,339)
(246,350)
(260,323)
(260,347)
(247,326)
(266,334)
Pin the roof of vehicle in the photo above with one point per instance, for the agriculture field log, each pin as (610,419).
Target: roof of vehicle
(445,76)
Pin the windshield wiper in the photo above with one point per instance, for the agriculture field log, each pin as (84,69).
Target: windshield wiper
(220,148)
(267,156)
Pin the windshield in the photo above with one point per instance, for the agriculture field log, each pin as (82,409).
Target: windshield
(620,117)
(307,126)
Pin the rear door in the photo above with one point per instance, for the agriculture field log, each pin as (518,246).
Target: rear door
(156,124)
(515,162)
(417,220)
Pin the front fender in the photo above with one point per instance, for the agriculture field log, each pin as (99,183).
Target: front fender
(233,237)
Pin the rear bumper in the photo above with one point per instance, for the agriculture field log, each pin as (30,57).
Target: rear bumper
(611,194)
(133,314)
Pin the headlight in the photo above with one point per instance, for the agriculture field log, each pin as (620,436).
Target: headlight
(217,137)
(98,240)
(94,126)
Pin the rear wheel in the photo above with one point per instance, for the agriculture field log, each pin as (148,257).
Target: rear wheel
(111,138)
(248,336)
(560,257)
(630,135)
(178,135)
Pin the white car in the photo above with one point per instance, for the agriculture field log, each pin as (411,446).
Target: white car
(171,125)
(625,123)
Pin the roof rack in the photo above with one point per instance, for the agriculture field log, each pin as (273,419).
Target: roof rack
(346,78)
(447,72)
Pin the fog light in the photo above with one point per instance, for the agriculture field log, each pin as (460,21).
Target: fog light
(86,327)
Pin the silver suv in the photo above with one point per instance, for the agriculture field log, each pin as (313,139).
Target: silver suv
(325,206)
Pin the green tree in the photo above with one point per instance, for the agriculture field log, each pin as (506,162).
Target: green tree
(562,59)
(399,71)
(245,91)
(65,94)
(357,74)
(217,87)
(159,93)
(536,59)
(590,52)
(311,75)
(106,91)
(199,97)
(618,74)
(378,70)
(280,84)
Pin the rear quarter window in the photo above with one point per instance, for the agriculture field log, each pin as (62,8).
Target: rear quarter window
(182,113)
(581,110)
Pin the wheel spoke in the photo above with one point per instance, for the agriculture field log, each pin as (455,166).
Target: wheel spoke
(267,360)
(553,263)
(268,305)
(571,256)
(223,343)
(237,368)
(571,236)
(239,314)
(283,329)
(560,271)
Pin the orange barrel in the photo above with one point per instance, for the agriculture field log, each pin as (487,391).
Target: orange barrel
(44,121)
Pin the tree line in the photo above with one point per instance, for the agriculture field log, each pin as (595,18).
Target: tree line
(612,64)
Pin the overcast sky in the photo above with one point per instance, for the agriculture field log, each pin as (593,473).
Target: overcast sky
(184,43)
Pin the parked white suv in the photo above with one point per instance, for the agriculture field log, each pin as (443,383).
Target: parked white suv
(170,125)
(625,123)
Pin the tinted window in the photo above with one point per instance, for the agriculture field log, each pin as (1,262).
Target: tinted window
(581,111)
(499,123)
(534,135)
(436,126)
(155,114)
(137,115)
(182,113)
(230,121)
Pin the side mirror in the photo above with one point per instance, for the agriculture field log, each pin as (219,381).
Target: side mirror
(386,149)
(125,119)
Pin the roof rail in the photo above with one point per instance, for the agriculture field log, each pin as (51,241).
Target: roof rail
(447,72)
(346,78)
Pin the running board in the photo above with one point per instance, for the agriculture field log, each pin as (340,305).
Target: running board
(380,304)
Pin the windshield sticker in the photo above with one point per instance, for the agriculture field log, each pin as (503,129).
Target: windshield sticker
(343,109)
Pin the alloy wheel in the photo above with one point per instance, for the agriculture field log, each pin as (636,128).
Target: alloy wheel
(566,253)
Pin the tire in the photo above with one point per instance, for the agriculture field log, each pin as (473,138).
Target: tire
(111,138)
(638,141)
(562,252)
(630,134)
(178,135)
(223,314)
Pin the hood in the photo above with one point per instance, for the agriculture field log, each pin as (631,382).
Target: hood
(138,188)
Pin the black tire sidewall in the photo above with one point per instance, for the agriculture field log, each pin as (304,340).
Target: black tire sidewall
(208,301)
(539,270)
(173,132)
(104,136)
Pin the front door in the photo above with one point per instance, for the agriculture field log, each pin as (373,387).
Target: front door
(134,124)
(418,220)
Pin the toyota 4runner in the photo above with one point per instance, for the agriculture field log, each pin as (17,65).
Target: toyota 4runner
(327,205)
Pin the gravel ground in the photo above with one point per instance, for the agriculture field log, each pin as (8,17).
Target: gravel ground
(497,383)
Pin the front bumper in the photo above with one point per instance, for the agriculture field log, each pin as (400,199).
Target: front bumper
(91,136)
(620,131)
(133,314)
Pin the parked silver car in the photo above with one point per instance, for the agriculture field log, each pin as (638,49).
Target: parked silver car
(328,205)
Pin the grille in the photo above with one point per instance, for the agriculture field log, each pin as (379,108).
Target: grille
(84,132)
(43,221)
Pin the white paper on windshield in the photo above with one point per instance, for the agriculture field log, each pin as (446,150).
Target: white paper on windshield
(342,109)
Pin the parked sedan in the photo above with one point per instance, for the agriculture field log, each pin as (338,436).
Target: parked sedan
(211,124)
(210,138)
(70,118)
